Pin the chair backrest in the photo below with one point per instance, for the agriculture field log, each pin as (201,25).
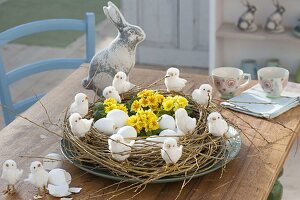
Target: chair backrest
(6,78)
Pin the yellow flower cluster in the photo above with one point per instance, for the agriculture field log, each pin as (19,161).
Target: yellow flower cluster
(173,103)
(147,99)
(111,104)
(143,120)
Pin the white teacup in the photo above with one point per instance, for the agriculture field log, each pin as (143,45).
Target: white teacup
(228,80)
(273,80)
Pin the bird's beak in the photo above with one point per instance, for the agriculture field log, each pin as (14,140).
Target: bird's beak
(214,118)
(86,98)
(208,91)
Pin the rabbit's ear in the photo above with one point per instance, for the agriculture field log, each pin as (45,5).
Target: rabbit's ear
(246,3)
(113,13)
(275,2)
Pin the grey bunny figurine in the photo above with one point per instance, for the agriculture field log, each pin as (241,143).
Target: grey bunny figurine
(274,21)
(118,56)
(246,20)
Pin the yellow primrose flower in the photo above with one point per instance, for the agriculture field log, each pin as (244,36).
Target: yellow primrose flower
(181,102)
(109,101)
(143,102)
(152,100)
(135,106)
(160,98)
(110,107)
(154,107)
(168,104)
(145,93)
(122,107)
(153,125)
(132,120)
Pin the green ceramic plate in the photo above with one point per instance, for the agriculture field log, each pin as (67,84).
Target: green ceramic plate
(233,146)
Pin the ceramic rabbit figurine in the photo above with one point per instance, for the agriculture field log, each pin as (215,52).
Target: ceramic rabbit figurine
(246,21)
(118,56)
(274,22)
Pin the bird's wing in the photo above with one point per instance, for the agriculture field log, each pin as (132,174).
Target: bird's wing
(183,80)
(73,107)
(20,173)
(195,94)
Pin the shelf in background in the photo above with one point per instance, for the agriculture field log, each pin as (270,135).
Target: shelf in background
(228,30)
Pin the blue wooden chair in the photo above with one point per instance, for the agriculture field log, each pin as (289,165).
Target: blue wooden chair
(6,78)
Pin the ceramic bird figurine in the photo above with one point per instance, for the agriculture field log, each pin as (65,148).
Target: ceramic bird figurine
(217,126)
(119,150)
(167,122)
(79,126)
(80,105)
(202,95)
(170,152)
(38,177)
(172,80)
(274,22)
(184,123)
(118,116)
(111,92)
(106,126)
(118,56)
(11,174)
(121,84)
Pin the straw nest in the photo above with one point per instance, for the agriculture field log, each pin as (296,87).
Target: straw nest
(201,151)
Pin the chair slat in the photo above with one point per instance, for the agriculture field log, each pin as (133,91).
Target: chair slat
(21,106)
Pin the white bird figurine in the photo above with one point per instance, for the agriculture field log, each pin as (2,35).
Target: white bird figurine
(167,122)
(202,95)
(106,126)
(79,126)
(111,92)
(172,80)
(11,174)
(184,123)
(121,84)
(38,177)
(170,152)
(80,105)
(217,126)
(119,150)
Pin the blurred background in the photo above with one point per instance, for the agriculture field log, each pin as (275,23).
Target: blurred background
(196,35)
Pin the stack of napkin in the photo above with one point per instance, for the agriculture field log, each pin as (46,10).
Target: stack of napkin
(254,101)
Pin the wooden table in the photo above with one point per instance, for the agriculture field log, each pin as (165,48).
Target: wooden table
(250,176)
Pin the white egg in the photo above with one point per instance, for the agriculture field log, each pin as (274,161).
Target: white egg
(167,122)
(105,125)
(118,116)
(127,132)
(157,141)
(169,133)
(59,177)
(52,161)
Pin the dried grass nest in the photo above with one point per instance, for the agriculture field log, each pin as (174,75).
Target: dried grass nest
(201,151)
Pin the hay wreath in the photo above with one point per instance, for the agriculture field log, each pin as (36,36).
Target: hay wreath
(201,150)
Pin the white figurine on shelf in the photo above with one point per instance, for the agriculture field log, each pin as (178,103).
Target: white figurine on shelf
(118,116)
(52,161)
(246,22)
(119,150)
(274,23)
(170,152)
(202,95)
(11,174)
(111,92)
(121,84)
(172,80)
(38,177)
(185,123)
(80,105)
(106,126)
(217,126)
(79,126)
(167,122)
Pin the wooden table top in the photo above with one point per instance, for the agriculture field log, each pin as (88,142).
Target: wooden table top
(250,176)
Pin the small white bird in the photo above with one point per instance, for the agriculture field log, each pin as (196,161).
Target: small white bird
(184,123)
(173,82)
(11,174)
(38,177)
(217,126)
(121,84)
(80,105)
(167,122)
(106,126)
(79,126)
(119,150)
(111,92)
(202,95)
(170,152)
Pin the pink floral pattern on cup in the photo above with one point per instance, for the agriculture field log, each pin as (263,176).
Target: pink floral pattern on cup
(231,83)
(267,84)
